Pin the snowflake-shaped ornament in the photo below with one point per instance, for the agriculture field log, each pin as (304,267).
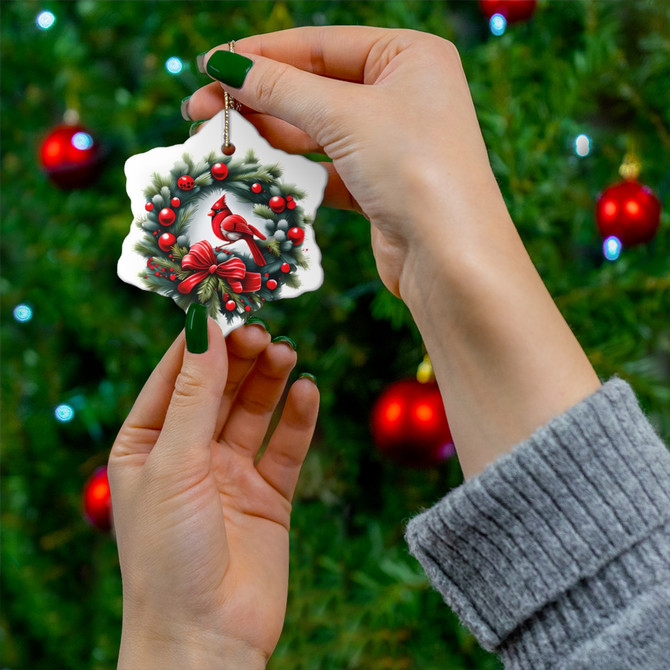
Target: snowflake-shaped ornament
(231,232)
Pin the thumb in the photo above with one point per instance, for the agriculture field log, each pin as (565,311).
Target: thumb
(191,416)
(303,99)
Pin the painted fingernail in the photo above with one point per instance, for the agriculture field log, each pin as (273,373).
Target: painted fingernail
(194,128)
(196,328)
(229,68)
(282,339)
(183,106)
(307,375)
(255,321)
(200,62)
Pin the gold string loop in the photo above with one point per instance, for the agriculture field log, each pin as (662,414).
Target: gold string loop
(228,103)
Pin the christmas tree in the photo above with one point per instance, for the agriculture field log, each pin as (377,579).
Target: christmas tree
(563,95)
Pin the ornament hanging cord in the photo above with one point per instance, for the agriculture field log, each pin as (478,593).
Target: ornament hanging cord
(228,103)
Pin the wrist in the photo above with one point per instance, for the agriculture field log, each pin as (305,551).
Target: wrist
(177,648)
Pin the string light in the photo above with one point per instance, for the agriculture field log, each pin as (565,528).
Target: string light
(23,313)
(174,65)
(612,248)
(498,24)
(582,145)
(45,20)
(64,413)
(82,141)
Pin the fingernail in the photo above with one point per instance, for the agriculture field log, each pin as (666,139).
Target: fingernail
(194,128)
(255,321)
(282,339)
(200,62)
(183,107)
(229,68)
(196,328)
(307,375)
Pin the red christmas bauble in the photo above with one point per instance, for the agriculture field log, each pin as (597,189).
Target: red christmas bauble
(230,305)
(166,217)
(166,240)
(409,424)
(285,267)
(175,202)
(291,204)
(219,171)
(256,188)
(97,500)
(271,284)
(277,204)
(185,182)
(513,10)
(296,235)
(629,211)
(70,156)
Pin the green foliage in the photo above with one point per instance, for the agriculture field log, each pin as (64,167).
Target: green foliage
(357,599)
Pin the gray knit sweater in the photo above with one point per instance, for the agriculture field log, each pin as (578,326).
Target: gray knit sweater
(558,555)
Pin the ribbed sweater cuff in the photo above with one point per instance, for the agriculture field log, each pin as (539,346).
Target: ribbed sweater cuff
(576,505)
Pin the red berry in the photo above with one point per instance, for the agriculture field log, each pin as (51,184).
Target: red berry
(271,284)
(166,240)
(219,171)
(277,204)
(173,277)
(285,267)
(166,217)
(175,202)
(230,305)
(296,235)
(247,308)
(291,205)
(185,183)
(256,188)
(149,207)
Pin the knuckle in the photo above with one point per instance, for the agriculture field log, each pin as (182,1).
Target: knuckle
(268,83)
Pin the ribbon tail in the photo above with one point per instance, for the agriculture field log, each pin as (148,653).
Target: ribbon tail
(251,282)
(189,283)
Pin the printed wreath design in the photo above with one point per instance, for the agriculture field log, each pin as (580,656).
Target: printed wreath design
(232,282)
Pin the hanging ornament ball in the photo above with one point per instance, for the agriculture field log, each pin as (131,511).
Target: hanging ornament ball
(97,501)
(296,235)
(185,183)
(409,424)
(514,11)
(256,188)
(277,204)
(166,217)
(175,202)
(70,156)
(271,284)
(628,211)
(219,171)
(166,241)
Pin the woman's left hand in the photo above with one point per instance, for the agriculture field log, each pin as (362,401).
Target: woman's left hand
(202,523)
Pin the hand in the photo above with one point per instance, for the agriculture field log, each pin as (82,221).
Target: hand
(202,524)
(409,131)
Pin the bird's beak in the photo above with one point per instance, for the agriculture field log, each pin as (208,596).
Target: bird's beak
(210,213)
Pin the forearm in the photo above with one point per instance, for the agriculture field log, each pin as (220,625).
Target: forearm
(504,357)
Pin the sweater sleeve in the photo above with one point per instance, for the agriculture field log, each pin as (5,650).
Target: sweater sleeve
(558,555)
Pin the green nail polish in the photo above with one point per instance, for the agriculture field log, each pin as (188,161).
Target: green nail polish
(255,321)
(194,128)
(229,68)
(183,107)
(307,375)
(196,328)
(282,339)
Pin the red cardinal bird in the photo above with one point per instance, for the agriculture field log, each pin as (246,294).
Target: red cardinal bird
(233,227)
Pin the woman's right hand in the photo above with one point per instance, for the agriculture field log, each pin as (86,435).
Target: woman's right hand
(393,111)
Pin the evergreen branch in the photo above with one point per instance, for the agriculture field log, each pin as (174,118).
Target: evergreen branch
(263,211)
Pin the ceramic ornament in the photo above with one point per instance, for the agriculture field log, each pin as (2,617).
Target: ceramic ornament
(229,231)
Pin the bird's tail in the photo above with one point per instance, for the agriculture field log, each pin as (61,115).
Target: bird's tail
(259,259)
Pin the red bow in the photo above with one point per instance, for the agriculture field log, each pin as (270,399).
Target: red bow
(202,259)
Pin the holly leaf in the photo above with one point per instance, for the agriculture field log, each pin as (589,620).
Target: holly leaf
(206,289)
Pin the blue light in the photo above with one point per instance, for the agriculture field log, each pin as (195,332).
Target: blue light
(612,248)
(45,20)
(82,141)
(23,313)
(64,413)
(174,65)
(498,24)
(582,145)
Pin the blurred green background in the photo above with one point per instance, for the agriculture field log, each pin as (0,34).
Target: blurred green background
(357,599)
